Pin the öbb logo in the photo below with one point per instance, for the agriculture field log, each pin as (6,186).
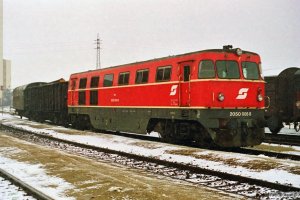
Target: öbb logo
(173,90)
(242,93)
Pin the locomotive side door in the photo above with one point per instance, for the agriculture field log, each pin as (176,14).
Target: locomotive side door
(184,83)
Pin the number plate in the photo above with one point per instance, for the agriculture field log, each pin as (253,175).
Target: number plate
(240,114)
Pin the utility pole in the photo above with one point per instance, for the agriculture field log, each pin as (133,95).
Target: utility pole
(98,42)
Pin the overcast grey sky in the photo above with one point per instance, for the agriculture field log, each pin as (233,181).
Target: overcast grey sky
(50,39)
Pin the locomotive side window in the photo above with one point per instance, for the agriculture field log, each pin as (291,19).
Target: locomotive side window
(108,80)
(227,69)
(123,78)
(250,70)
(206,69)
(82,83)
(81,100)
(142,76)
(94,92)
(94,97)
(95,82)
(163,74)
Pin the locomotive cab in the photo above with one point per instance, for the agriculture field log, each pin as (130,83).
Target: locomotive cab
(234,97)
(220,98)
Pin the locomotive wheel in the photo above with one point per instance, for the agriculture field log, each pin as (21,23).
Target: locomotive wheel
(274,123)
(202,138)
(166,130)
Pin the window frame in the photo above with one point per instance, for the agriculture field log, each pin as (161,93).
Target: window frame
(163,75)
(238,69)
(123,78)
(199,69)
(92,83)
(82,83)
(142,70)
(112,81)
(257,67)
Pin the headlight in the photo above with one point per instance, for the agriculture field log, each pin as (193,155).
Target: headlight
(221,96)
(298,104)
(259,97)
(239,51)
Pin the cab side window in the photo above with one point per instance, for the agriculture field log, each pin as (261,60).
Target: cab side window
(206,69)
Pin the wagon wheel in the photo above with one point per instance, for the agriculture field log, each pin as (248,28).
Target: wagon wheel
(274,123)
(296,126)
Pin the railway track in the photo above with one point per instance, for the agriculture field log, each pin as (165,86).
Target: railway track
(235,150)
(248,187)
(282,139)
(242,150)
(14,188)
(270,138)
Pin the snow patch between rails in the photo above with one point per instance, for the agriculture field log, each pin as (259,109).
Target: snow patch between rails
(34,175)
(207,159)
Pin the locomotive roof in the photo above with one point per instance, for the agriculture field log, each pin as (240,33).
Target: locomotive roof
(172,56)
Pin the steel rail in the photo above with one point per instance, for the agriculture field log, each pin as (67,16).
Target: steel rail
(242,150)
(26,187)
(282,139)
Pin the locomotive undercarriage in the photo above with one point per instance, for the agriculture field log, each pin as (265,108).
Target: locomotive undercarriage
(180,131)
(205,126)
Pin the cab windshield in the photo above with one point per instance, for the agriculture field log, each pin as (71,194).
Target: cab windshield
(227,69)
(250,70)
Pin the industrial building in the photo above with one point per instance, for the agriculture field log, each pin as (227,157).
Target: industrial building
(5,68)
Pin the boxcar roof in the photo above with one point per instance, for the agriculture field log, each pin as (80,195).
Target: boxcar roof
(23,87)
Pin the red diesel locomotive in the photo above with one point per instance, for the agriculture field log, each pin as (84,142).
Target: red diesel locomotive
(211,97)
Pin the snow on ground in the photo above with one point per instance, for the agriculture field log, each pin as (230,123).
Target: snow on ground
(286,130)
(269,169)
(34,175)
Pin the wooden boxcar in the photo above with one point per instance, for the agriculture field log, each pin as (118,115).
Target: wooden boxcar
(283,92)
(19,98)
(47,101)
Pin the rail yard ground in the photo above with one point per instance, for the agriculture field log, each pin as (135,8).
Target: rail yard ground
(67,176)
(115,182)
